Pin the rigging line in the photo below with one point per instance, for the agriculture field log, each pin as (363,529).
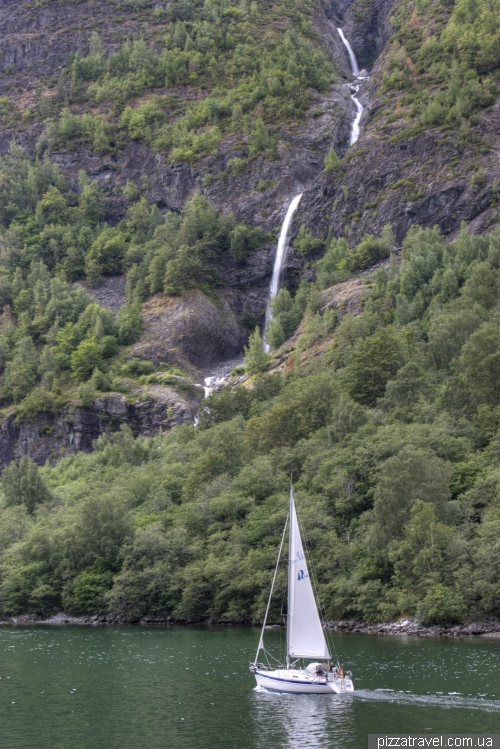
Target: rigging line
(267,659)
(315,585)
(261,640)
(270,655)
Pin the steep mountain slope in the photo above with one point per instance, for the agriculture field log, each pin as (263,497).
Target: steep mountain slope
(428,153)
(131,110)
(165,141)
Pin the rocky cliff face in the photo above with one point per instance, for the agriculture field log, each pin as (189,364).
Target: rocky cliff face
(149,411)
(38,37)
(397,173)
(424,179)
(189,331)
(38,40)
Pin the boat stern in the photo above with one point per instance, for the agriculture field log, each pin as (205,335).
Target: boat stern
(340,686)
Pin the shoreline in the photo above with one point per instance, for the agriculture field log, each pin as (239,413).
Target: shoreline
(402,628)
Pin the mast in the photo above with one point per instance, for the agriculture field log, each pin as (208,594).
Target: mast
(289,579)
(261,639)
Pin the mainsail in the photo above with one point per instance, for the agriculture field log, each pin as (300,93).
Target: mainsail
(306,638)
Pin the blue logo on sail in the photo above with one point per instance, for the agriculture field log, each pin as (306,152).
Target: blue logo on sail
(302,575)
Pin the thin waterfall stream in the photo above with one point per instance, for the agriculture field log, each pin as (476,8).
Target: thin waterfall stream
(355,129)
(279,261)
(282,248)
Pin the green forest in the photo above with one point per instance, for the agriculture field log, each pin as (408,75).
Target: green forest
(392,439)
(442,63)
(386,421)
(258,61)
(53,336)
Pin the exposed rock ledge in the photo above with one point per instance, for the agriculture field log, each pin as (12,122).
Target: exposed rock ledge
(411,626)
(190,331)
(402,628)
(154,409)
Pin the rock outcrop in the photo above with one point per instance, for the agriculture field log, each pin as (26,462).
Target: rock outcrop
(420,179)
(38,39)
(190,331)
(411,626)
(110,294)
(147,410)
(345,298)
(489,628)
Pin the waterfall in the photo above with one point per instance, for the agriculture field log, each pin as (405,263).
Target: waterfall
(354,89)
(279,261)
(281,251)
(352,56)
(207,388)
(357,119)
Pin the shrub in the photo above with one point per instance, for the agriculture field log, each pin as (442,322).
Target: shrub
(86,594)
(258,139)
(305,243)
(368,252)
(86,393)
(332,160)
(99,380)
(138,121)
(137,367)
(108,250)
(243,240)
(39,400)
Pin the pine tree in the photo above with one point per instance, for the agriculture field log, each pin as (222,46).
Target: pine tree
(332,160)
(256,359)
(21,372)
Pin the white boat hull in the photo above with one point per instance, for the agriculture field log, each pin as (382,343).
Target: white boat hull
(300,682)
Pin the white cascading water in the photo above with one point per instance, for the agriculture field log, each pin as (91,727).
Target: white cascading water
(352,56)
(279,261)
(354,89)
(207,387)
(283,240)
(209,384)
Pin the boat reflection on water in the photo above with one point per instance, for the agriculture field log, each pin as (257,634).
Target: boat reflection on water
(302,721)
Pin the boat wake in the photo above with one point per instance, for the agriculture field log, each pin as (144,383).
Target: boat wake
(447,701)
(451,700)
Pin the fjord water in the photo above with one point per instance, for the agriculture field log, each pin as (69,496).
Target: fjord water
(72,687)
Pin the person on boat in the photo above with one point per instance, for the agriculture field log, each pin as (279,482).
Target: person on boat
(319,670)
(342,672)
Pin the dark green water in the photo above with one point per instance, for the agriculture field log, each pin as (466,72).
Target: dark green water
(190,688)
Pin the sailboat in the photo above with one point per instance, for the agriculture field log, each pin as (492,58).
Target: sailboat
(306,639)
